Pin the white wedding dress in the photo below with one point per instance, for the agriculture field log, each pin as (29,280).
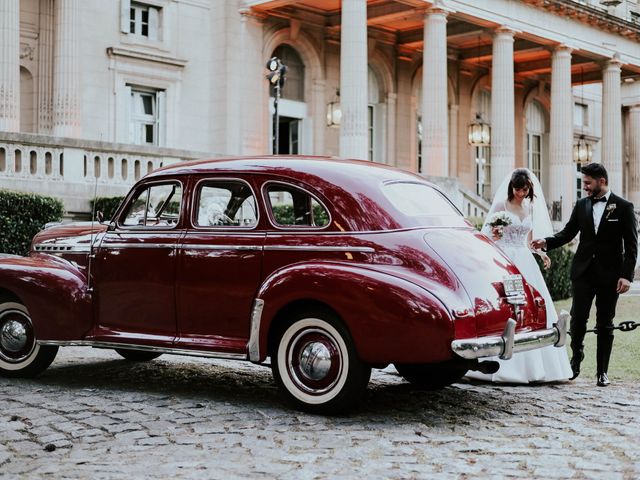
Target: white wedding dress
(546,364)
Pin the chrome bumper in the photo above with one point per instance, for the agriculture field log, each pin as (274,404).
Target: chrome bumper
(510,342)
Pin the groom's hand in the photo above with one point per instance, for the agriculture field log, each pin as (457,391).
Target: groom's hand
(623,285)
(539,243)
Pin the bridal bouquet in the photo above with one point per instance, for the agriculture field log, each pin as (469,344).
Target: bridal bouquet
(497,222)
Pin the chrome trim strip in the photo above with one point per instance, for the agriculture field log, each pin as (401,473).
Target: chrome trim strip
(320,248)
(137,245)
(509,343)
(254,337)
(61,248)
(146,348)
(221,247)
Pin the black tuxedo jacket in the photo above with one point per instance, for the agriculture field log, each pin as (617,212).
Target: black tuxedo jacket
(613,249)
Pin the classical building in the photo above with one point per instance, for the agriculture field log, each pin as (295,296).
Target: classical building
(94,94)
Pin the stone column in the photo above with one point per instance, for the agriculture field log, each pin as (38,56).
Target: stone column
(391,153)
(561,176)
(634,155)
(353,80)
(612,124)
(10,65)
(66,70)
(503,151)
(453,140)
(45,67)
(435,141)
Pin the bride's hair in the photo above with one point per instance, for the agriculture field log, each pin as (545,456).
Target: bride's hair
(519,179)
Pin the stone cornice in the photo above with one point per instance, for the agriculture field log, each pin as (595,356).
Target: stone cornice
(142,55)
(589,15)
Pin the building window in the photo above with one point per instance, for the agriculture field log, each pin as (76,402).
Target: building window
(419,134)
(534,153)
(580,115)
(483,172)
(146,110)
(143,20)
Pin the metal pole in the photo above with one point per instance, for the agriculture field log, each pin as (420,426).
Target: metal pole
(276,123)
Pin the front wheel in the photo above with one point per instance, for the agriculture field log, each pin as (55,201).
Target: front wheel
(434,375)
(137,355)
(315,364)
(20,354)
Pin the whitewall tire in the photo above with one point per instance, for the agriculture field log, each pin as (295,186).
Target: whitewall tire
(20,354)
(315,364)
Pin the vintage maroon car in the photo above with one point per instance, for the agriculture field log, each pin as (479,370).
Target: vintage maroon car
(327,267)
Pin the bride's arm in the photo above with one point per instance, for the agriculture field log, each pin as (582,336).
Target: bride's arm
(546,261)
(486,229)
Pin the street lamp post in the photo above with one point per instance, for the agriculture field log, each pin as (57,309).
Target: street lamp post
(276,77)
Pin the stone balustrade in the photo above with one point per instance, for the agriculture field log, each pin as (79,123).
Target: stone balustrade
(77,170)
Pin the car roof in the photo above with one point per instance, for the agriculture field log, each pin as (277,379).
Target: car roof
(351,186)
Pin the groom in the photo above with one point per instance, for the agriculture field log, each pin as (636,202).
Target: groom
(602,266)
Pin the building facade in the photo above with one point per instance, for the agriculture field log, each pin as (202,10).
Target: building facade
(94,94)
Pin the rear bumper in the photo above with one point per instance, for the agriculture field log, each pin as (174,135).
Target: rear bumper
(510,342)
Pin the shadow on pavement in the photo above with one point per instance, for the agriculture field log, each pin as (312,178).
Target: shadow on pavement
(252,388)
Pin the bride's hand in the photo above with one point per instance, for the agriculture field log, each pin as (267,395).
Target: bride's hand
(546,261)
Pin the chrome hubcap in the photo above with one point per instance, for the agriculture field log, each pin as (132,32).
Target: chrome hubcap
(13,336)
(16,336)
(315,361)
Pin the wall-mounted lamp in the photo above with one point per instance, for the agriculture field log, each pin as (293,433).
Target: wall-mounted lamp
(334,114)
(479,132)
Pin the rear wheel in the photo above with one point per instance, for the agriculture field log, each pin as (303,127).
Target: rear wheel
(20,354)
(432,375)
(137,355)
(316,365)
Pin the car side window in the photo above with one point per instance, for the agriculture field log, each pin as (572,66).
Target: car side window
(291,206)
(226,203)
(155,206)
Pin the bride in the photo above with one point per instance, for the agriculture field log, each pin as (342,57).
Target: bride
(521,197)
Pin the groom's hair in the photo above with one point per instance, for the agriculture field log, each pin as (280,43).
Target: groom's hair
(596,171)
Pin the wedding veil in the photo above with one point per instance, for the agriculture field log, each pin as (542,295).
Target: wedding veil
(540,220)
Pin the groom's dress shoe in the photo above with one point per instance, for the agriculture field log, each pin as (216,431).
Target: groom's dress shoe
(602,380)
(576,360)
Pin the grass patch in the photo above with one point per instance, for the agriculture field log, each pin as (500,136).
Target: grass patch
(625,359)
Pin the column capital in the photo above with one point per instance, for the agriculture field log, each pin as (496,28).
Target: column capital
(563,48)
(437,10)
(504,31)
(612,64)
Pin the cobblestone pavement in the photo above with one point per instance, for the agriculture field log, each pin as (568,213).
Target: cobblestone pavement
(93,415)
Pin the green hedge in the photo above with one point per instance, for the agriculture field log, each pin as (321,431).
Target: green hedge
(106,205)
(558,277)
(22,215)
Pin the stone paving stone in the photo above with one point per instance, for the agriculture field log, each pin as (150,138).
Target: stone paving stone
(192,418)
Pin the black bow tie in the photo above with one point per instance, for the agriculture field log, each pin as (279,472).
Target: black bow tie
(601,199)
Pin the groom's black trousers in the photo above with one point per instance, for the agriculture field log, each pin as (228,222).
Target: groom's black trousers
(588,286)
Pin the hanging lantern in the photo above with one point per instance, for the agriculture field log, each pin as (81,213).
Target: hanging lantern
(582,151)
(334,114)
(479,133)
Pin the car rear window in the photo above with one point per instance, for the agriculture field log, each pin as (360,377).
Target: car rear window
(418,199)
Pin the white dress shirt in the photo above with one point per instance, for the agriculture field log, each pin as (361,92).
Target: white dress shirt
(598,210)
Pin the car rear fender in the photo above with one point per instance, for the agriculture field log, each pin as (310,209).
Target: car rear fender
(375,307)
(54,292)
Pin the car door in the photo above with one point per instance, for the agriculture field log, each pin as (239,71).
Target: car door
(135,265)
(219,266)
